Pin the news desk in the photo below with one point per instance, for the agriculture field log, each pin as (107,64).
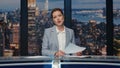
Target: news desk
(64,62)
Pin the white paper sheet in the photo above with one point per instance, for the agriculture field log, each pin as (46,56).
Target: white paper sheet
(72,48)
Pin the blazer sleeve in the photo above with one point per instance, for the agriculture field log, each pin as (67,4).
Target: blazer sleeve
(73,36)
(45,45)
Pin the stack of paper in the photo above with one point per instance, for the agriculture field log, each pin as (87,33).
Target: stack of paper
(72,48)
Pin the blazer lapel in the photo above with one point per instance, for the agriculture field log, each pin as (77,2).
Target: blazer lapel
(55,39)
(67,36)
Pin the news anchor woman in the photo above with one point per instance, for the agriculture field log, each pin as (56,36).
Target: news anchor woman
(58,37)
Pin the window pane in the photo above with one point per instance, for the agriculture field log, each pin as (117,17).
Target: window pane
(38,20)
(116,19)
(89,24)
(9,27)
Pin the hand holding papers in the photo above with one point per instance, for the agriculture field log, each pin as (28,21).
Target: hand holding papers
(72,48)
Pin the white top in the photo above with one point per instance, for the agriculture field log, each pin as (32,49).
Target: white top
(61,39)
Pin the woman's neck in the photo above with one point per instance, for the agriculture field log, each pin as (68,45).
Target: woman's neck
(60,28)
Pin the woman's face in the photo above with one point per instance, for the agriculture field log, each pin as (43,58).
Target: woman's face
(58,18)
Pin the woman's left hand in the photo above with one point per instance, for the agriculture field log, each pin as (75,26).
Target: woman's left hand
(78,53)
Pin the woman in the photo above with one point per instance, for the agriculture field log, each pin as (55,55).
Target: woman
(58,37)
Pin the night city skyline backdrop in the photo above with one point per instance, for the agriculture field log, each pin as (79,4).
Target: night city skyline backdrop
(13,4)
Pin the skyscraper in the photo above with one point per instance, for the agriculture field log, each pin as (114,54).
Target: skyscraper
(31,3)
(46,5)
(32,46)
(5,17)
(1,38)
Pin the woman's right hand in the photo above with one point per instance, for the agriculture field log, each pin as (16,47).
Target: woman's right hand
(59,53)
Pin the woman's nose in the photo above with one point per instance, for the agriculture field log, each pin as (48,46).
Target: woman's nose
(58,18)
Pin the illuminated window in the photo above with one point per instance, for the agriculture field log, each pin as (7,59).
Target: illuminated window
(38,20)
(89,24)
(116,21)
(9,27)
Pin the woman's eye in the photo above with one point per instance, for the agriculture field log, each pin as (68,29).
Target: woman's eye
(54,17)
(60,15)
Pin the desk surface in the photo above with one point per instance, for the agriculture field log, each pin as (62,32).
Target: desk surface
(29,60)
(71,58)
(66,62)
(93,58)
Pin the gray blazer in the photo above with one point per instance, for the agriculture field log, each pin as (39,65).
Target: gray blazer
(50,41)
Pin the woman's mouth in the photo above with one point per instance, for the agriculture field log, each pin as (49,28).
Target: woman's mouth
(59,21)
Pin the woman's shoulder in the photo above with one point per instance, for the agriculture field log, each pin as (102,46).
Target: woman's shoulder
(50,28)
(69,29)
